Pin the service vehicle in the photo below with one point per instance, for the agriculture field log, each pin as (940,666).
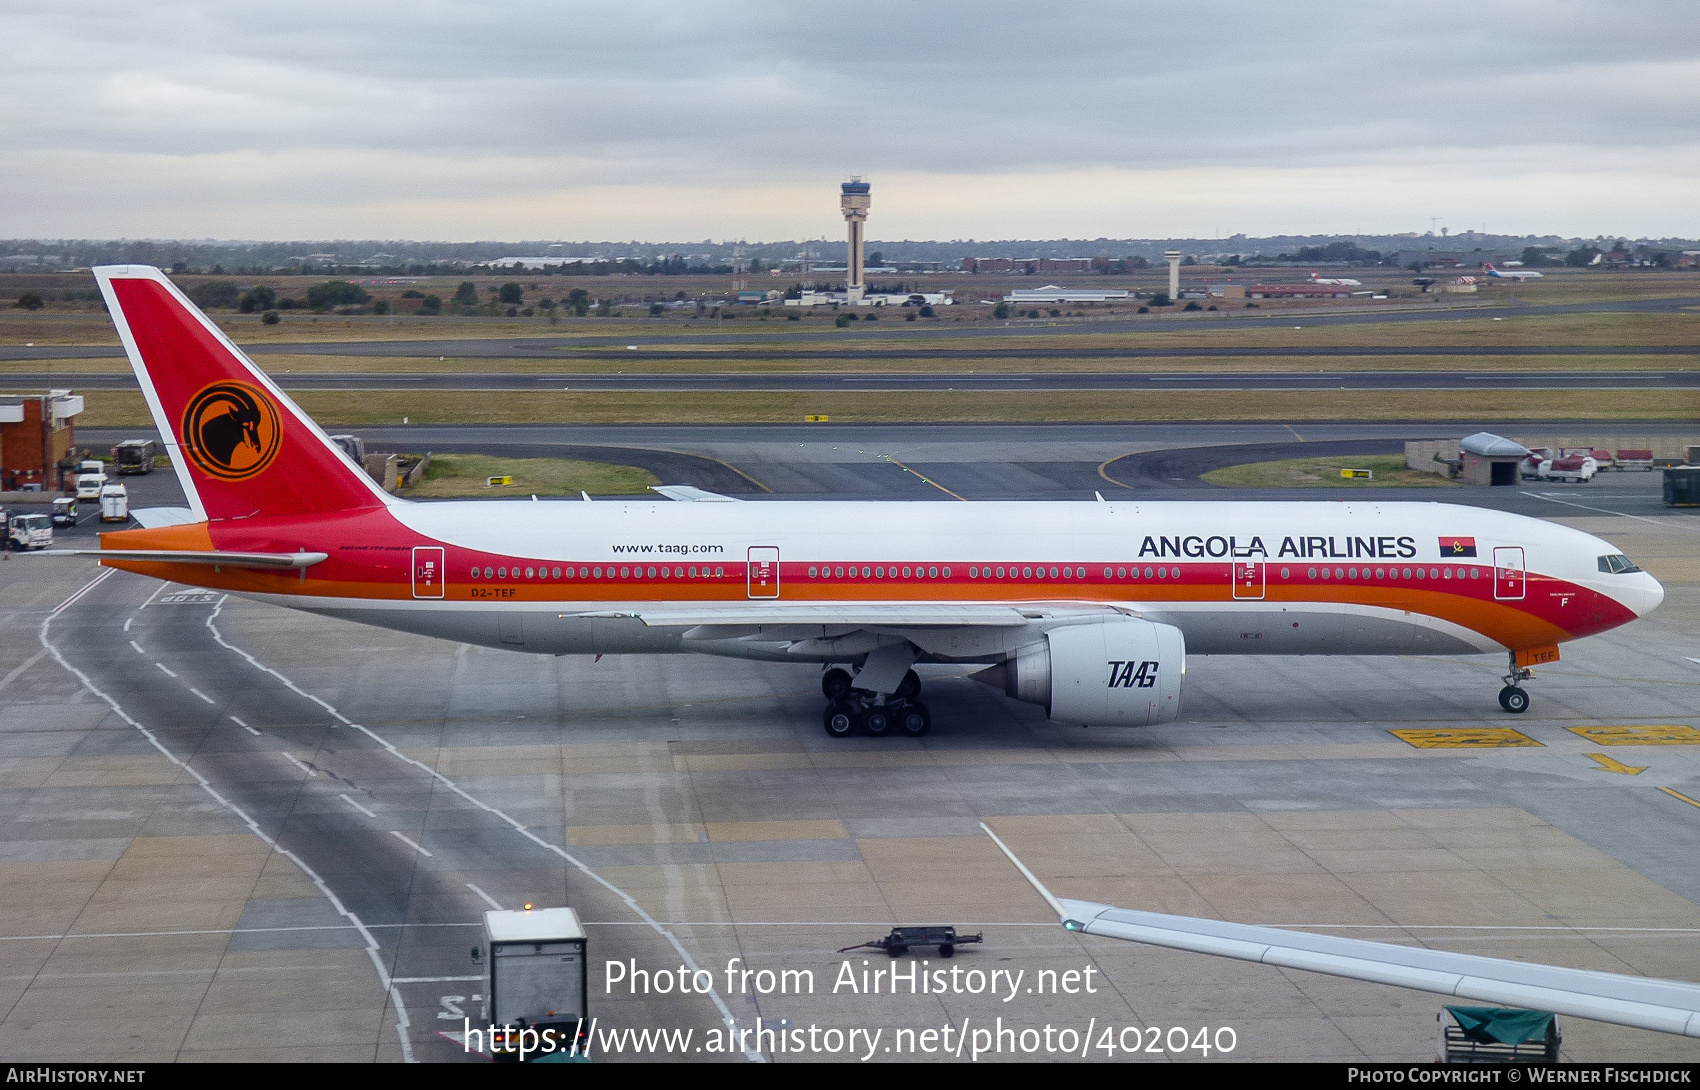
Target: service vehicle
(1575,468)
(536,977)
(64,511)
(135,456)
(89,485)
(29,532)
(114,503)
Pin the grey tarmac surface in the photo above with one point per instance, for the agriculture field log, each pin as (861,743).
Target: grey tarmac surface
(544,345)
(1034,381)
(705,790)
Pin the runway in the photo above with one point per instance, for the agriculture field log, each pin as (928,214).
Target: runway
(305,880)
(994,381)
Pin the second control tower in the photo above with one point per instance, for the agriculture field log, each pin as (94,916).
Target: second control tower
(854,203)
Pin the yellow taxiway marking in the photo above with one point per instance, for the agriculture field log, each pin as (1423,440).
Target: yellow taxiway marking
(1680,795)
(923,476)
(1662,734)
(1612,764)
(1464,738)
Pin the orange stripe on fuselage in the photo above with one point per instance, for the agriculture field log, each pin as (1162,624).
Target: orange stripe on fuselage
(1533,621)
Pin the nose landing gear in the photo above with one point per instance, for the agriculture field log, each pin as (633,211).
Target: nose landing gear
(850,709)
(1514,698)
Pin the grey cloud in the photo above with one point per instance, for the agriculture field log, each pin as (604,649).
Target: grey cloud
(720,93)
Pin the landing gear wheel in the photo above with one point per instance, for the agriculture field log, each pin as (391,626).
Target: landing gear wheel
(1514,699)
(910,687)
(835,684)
(911,718)
(839,719)
(876,722)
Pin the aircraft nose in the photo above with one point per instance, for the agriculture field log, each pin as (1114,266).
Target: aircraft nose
(1647,595)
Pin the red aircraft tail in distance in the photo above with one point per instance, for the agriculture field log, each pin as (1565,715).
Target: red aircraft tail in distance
(240,446)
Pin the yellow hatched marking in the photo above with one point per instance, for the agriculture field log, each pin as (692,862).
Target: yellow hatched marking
(1464,738)
(1612,764)
(1679,795)
(1662,734)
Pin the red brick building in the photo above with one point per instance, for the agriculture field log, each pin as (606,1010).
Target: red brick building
(36,440)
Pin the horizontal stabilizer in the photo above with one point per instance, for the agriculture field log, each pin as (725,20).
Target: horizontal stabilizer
(174,556)
(691,493)
(151,517)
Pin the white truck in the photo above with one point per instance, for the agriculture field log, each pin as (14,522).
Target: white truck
(536,983)
(29,532)
(114,502)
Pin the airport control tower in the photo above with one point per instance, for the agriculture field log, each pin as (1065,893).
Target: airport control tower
(854,202)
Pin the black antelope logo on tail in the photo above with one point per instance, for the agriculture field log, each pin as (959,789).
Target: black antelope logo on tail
(231,430)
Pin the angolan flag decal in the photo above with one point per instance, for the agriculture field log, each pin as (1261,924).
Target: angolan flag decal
(1457,546)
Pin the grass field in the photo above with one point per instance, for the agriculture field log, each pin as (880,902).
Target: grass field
(126,409)
(463,475)
(1389,469)
(634,364)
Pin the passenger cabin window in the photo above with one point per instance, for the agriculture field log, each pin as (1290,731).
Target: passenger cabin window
(1617,564)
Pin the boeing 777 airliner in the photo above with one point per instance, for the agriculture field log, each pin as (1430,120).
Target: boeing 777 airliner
(1086,609)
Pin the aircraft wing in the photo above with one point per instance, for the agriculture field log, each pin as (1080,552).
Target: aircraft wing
(1669,1006)
(176,556)
(691,493)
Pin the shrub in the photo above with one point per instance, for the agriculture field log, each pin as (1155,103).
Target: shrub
(511,293)
(215,293)
(1193,305)
(336,293)
(270,317)
(467,293)
(1001,310)
(382,306)
(410,293)
(926,310)
(793,317)
(431,305)
(258,297)
(656,310)
(842,320)
(29,300)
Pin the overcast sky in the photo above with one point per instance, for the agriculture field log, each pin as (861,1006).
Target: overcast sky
(439,119)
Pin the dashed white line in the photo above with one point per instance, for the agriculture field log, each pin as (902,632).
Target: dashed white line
(434,979)
(166,668)
(202,695)
(128,621)
(296,761)
(357,806)
(410,843)
(489,900)
(751,1054)
(138,647)
(373,950)
(250,730)
(239,722)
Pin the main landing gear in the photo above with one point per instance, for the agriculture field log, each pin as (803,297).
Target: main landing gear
(850,709)
(1514,698)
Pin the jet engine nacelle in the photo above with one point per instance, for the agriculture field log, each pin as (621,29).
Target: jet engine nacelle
(1120,673)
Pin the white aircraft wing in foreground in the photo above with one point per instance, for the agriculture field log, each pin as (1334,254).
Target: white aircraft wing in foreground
(1668,1006)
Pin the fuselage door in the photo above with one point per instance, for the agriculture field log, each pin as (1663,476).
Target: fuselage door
(1509,579)
(427,571)
(1248,579)
(763,580)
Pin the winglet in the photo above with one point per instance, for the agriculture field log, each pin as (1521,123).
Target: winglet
(1033,879)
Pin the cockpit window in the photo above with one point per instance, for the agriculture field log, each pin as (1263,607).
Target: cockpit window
(1617,564)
